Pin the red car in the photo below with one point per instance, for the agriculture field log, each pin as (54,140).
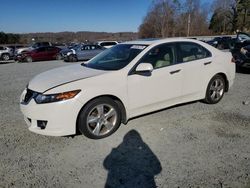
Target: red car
(39,54)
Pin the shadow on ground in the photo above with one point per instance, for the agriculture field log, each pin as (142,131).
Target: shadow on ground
(131,164)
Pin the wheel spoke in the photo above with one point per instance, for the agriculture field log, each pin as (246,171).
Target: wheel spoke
(217,95)
(92,119)
(100,110)
(213,95)
(216,83)
(110,113)
(212,88)
(220,87)
(97,129)
(108,125)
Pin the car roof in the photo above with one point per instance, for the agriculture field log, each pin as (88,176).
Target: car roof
(159,41)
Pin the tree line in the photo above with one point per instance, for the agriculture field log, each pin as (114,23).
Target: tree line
(175,18)
(9,38)
(65,37)
(230,16)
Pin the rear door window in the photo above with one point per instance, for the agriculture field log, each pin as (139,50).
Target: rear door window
(188,51)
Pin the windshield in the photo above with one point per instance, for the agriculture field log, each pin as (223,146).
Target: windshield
(243,36)
(116,57)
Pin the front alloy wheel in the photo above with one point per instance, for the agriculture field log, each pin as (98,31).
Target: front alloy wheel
(99,118)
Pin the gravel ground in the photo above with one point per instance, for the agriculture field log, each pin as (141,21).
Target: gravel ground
(191,145)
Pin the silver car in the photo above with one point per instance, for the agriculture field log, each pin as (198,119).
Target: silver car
(83,52)
(5,53)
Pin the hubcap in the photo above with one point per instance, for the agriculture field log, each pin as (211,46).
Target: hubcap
(5,57)
(216,89)
(101,119)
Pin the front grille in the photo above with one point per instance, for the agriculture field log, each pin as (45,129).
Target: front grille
(29,95)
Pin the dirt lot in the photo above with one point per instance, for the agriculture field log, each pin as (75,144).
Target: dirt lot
(192,145)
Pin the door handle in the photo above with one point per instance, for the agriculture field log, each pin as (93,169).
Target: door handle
(207,63)
(176,71)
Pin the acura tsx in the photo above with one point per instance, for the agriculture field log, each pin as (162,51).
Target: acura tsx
(125,81)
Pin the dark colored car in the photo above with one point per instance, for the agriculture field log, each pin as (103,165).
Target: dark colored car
(242,57)
(39,54)
(242,40)
(241,50)
(222,43)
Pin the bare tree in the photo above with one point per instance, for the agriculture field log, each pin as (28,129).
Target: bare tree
(171,18)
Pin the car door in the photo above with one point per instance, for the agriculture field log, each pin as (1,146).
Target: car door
(160,89)
(195,60)
(39,54)
(51,52)
(94,51)
(84,52)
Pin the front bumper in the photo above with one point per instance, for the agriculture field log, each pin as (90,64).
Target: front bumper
(61,117)
(19,58)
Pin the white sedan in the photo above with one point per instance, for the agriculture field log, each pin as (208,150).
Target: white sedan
(127,80)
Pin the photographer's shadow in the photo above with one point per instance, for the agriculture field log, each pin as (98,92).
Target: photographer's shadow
(131,164)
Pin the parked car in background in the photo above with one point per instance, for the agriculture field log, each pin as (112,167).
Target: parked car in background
(107,44)
(6,53)
(83,52)
(242,57)
(39,54)
(63,53)
(31,47)
(222,43)
(242,40)
(123,82)
(15,47)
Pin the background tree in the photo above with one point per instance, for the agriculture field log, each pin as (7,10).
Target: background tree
(230,16)
(174,18)
(243,9)
(9,38)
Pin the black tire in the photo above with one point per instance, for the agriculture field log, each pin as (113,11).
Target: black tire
(87,128)
(72,58)
(28,59)
(215,92)
(6,57)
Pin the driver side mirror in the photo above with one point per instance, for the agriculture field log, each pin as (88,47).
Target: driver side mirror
(144,69)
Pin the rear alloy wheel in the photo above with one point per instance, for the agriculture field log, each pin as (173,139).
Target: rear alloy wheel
(215,90)
(99,118)
(6,57)
(28,59)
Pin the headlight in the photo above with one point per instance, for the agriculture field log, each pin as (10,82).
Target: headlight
(69,53)
(41,98)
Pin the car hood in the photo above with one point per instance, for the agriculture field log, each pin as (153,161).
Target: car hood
(20,50)
(60,76)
